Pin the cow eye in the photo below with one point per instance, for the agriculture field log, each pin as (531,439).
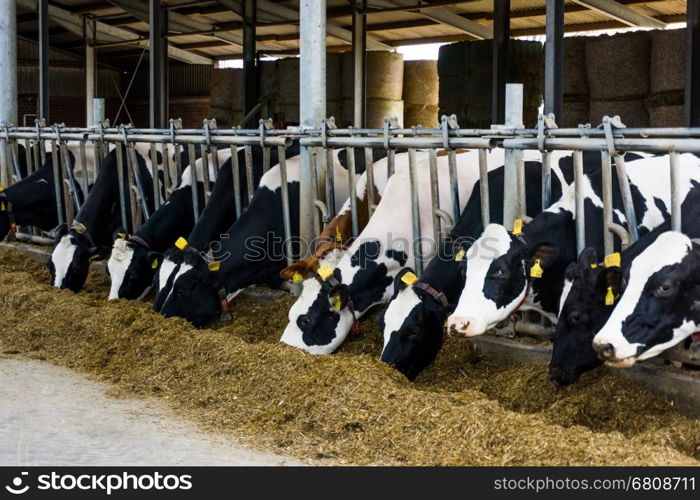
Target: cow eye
(666,289)
(499,274)
(575,318)
(303,321)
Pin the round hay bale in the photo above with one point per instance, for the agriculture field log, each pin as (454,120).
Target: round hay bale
(384,74)
(633,112)
(420,83)
(288,88)
(666,116)
(226,89)
(575,113)
(426,116)
(667,60)
(617,66)
(378,109)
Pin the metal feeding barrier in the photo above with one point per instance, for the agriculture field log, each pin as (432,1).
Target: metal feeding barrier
(178,146)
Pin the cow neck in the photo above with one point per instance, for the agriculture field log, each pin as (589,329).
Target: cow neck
(443,275)
(169,222)
(33,199)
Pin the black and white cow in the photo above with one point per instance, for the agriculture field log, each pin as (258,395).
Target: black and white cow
(660,302)
(90,235)
(413,322)
(363,276)
(502,268)
(251,251)
(135,258)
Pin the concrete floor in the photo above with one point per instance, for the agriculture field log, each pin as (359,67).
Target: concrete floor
(52,416)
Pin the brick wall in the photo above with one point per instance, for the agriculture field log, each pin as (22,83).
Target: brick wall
(192,110)
(68,110)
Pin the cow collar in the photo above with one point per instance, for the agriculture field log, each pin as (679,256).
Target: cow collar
(439,296)
(527,292)
(80,228)
(331,282)
(7,207)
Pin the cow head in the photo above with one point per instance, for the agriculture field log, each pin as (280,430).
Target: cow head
(593,291)
(131,266)
(660,306)
(497,269)
(413,325)
(320,318)
(70,259)
(187,288)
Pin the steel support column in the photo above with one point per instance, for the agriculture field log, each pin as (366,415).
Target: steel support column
(43,11)
(250,15)
(692,65)
(8,83)
(312,101)
(90,72)
(158,65)
(359,56)
(501,38)
(554,59)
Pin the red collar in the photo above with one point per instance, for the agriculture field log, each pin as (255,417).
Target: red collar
(695,337)
(527,292)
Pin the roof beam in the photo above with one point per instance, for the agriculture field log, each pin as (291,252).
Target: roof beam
(74,23)
(622,13)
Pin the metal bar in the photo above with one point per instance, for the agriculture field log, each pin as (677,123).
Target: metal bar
(434,195)
(205,173)
(692,64)
(281,154)
(43,12)
(58,183)
(520,178)
(606,179)
(391,163)
(353,193)
(236,174)
(484,188)
(554,59)
(501,38)
(120,180)
(137,199)
(675,192)
(72,187)
(513,118)
(193,186)
(157,65)
(627,200)
(214,162)
(167,181)
(249,172)
(84,169)
(28,156)
(266,160)
(316,202)
(156,180)
(454,182)
(546,180)
(178,164)
(415,211)
(369,172)
(330,181)
(359,57)
(250,86)
(580,199)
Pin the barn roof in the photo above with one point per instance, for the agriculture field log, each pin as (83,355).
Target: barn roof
(202,31)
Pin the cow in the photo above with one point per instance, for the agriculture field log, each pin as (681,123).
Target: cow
(350,282)
(413,321)
(502,268)
(135,258)
(199,288)
(90,235)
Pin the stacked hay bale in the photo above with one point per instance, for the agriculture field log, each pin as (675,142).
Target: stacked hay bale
(384,75)
(465,71)
(665,104)
(226,96)
(288,89)
(421,94)
(269,83)
(618,77)
(575,83)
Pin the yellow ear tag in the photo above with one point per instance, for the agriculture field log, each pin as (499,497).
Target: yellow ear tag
(2,187)
(181,243)
(338,236)
(297,278)
(80,228)
(594,265)
(612,260)
(214,266)
(460,255)
(517,226)
(2,206)
(409,278)
(536,269)
(122,235)
(336,303)
(325,271)
(609,297)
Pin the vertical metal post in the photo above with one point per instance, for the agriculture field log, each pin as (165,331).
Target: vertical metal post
(675,192)
(484,188)
(250,88)
(58,181)
(546,180)
(359,57)
(369,169)
(330,181)
(282,157)
(353,193)
(90,72)
(513,118)
(98,110)
(606,179)
(312,100)
(415,211)
(692,64)
(554,59)
(501,38)
(580,199)
(43,7)
(8,82)
(158,65)
(193,172)
(434,195)
(235,171)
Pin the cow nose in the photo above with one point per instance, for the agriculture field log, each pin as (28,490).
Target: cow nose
(460,326)
(604,351)
(560,376)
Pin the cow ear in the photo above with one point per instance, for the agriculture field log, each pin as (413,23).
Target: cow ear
(611,280)
(571,273)
(154,258)
(545,253)
(59,232)
(402,280)
(588,258)
(119,234)
(297,272)
(100,252)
